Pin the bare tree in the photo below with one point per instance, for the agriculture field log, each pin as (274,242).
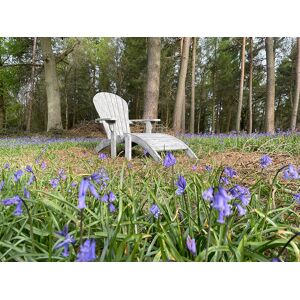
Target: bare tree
(270,103)
(32,86)
(250,86)
(181,86)
(297,89)
(52,89)
(153,73)
(192,117)
(240,104)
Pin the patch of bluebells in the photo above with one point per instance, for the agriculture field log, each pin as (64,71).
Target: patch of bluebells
(265,161)
(155,211)
(67,241)
(87,251)
(169,160)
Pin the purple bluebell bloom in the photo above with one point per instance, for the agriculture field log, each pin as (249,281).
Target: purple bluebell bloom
(6,166)
(109,199)
(241,193)
(104,198)
(276,259)
(2,185)
(18,175)
(181,184)
(102,156)
(43,165)
(84,185)
(290,173)
(28,169)
(68,239)
(62,175)
(224,180)
(241,210)
(155,211)
(208,168)
(191,245)
(170,160)
(297,198)
(87,251)
(230,172)
(208,195)
(194,167)
(32,178)
(265,161)
(16,200)
(26,193)
(54,182)
(93,190)
(111,207)
(220,203)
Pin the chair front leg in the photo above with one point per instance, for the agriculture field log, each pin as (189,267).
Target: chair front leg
(128,146)
(113,145)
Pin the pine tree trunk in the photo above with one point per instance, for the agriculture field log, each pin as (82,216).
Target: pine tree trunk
(240,104)
(214,96)
(270,103)
(52,89)
(32,86)
(181,86)
(192,117)
(153,74)
(297,89)
(250,87)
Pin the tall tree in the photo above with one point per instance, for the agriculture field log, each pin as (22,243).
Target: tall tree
(270,103)
(153,74)
(240,104)
(250,86)
(192,117)
(297,89)
(31,93)
(52,88)
(181,86)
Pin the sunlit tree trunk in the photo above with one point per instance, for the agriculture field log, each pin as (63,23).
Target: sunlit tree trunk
(192,117)
(153,73)
(32,86)
(52,89)
(250,87)
(177,119)
(240,104)
(270,103)
(297,89)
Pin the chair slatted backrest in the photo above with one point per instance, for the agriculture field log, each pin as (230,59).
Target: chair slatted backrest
(112,106)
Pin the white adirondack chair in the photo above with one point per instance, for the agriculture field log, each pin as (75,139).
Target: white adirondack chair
(113,112)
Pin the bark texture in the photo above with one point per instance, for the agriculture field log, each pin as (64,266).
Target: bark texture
(192,117)
(250,122)
(153,74)
(52,88)
(297,89)
(180,96)
(270,103)
(241,93)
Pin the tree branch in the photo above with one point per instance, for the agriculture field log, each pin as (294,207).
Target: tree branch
(62,56)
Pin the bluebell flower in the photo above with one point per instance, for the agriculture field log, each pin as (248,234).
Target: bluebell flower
(84,185)
(297,198)
(93,190)
(62,175)
(54,182)
(32,178)
(2,185)
(194,167)
(155,211)
(16,200)
(18,175)
(169,160)
(111,207)
(6,166)
(181,184)
(265,161)
(208,195)
(224,180)
(26,193)
(68,239)
(241,193)
(290,173)
(276,259)
(230,172)
(43,165)
(87,251)
(220,203)
(191,245)
(102,156)
(109,199)
(28,169)
(241,210)
(208,168)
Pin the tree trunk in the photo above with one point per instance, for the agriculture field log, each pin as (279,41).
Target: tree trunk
(240,104)
(270,103)
(2,109)
(297,89)
(192,117)
(32,86)
(250,86)
(52,89)
(181,86)
(213,117)
(153,73)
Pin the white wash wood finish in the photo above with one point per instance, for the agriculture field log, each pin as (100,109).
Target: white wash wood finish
(113,113)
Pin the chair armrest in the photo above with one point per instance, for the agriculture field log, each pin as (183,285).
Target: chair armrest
(108,120)
(145,120)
